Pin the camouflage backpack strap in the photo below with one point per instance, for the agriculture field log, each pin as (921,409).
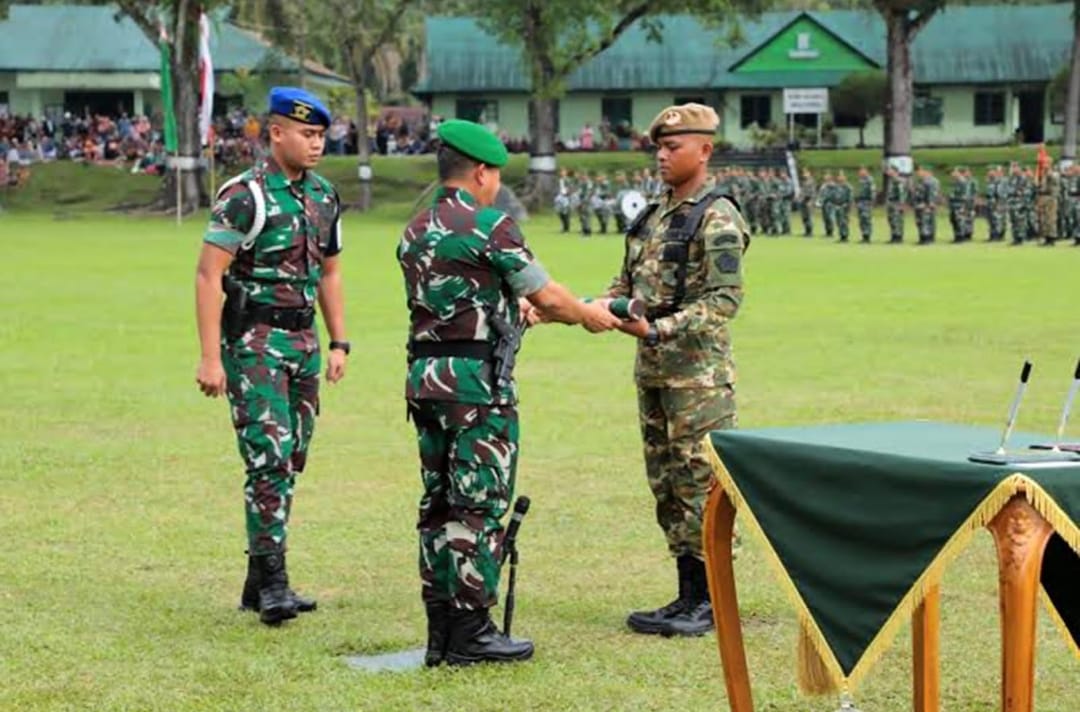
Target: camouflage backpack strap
(680,232)
(258,198)
(632,232)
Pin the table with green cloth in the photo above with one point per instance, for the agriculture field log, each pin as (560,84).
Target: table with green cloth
(860,521)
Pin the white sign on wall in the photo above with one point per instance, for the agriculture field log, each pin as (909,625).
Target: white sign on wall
(806,101)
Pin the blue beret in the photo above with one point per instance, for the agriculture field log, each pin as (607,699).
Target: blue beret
(474,141)
(299,105)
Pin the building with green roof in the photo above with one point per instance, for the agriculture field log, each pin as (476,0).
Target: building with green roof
(69,57)
(981,73)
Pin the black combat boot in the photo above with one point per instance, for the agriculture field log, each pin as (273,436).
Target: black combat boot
(275,605)
(475,639)
(565,220)
(656,622)
(438,629)
(696,618)
(249,598)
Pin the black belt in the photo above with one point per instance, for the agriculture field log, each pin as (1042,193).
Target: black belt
(290,319)
(480,350)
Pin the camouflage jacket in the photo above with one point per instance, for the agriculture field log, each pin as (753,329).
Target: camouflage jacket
(695,346)
(895,192)
(842,195)
(808,190)
(283,265)
(865,192)
(459,261)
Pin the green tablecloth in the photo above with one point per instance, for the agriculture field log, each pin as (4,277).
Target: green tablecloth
(862,519)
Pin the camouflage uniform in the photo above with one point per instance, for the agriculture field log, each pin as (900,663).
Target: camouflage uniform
(785,194)
(808,192)
(895,197)
(565,189)
(956,206)
(997,198)
(602,202)
(584,203)
(686,383)
(460,261)
(864,206)
(1073,203)
(273,373)
(1049,190)
(925,197)
(1018,218)
(752,205)
(967,212)
(827,201)
(842,210)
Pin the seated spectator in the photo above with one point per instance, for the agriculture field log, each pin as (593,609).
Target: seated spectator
(47,149)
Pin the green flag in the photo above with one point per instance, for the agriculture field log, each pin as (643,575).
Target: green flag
(169,130)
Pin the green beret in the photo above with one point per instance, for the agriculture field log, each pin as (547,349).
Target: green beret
(474,141)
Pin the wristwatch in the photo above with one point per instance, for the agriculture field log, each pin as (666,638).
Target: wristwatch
(342,345)
(652,336)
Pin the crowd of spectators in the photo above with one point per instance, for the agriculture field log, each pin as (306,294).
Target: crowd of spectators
(135,142)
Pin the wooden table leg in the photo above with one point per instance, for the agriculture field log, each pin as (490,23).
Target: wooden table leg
(1020,534)
(925,635)
(718,527)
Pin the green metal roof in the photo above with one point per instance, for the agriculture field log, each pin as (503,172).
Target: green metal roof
(72,38)
(960,45)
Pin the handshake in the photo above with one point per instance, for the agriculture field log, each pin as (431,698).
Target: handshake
(595,315)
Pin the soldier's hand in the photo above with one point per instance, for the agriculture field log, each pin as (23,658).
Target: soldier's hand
(335,365)
(597,318)
(635,327)
(211,378)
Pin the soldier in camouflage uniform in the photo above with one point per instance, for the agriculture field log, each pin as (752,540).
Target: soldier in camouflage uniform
(842,195)
(584,202)
(785,194)
(956,205)
(272,247)
(563,192)
(470,280)
(895,198)
(807,196)
(1031,199)
(971,190)
(925,198)
(767,201)
(864,203)
(826,201)
(1072,203)
(1049,186)
(1018,218)
(684,371)
(602,199)
(997,198)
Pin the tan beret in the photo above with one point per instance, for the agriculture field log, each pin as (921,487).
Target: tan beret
(684,119)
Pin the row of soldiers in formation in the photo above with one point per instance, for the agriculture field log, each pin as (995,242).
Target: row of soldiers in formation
(595,195)
(1025,202)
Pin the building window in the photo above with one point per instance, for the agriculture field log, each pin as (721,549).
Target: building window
(989,108)
(532,118)
(755,109)
(110,103)
(482,111)
(617,109)
(927,110)
(846,121)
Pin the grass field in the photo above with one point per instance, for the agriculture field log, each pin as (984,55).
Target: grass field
(120,505)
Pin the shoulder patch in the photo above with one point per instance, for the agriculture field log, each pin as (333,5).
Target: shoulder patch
(728,262)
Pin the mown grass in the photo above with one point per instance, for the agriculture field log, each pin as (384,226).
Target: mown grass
(120,505)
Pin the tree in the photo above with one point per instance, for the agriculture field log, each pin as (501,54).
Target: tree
(903,21)
(861,96)
(361,27)
(558,36)
(180,20)
(1072,100)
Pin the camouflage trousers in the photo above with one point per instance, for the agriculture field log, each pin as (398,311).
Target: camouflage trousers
(843,220)
(1020,223)
(926,222)
(273,390)
(468,460)
(894,212)
(585,215)
(752,213)
(828,218)
(807,216)
(674,423)
(1048,217)
(864,210)
(782,216)
(997,216)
